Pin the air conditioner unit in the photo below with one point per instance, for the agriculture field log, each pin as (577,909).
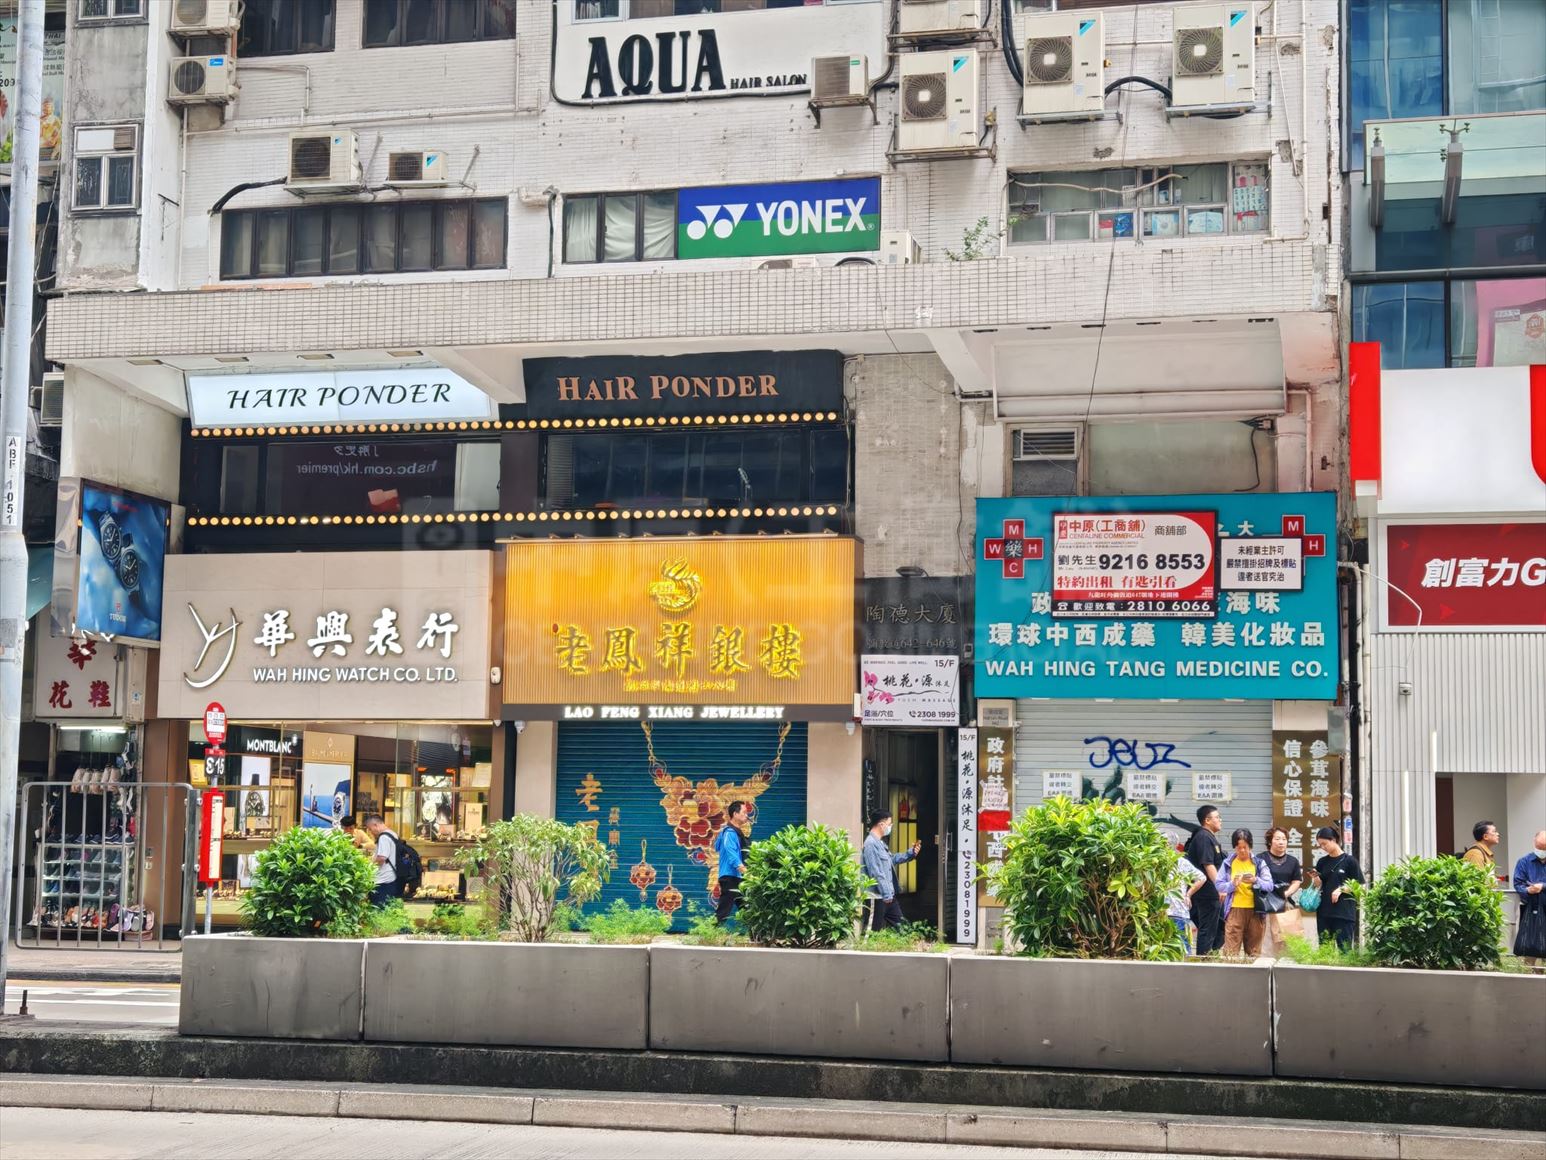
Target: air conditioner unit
(324,162)
(202,80)
(205,17)
(1065,65)
(1042,443)
(1215,55)
(839,79)
(48,400)
(416,169)
(899,248)
(940,101)
(924,16)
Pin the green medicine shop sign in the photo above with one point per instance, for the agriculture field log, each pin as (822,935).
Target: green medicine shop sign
(770,221)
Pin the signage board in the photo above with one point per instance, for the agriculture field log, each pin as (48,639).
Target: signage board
(1307,788)
(211,836)
(757,382)
(995,803)
(1471,575)
(1134,564)
(392,395)
(1067,783)
(966,837)
(730,623)
(914,614)
(1266,645)
(1261,564)
(910,690)
(76,677)
(344,636)
(214,723)
(123,538)
(791,217)
(51,123)
(1213,786)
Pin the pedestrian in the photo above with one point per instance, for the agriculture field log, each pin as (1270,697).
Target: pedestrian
(880,864)
(1243,884)
(385,857)
(1283,916)
(1481,851)
(730,844)
(1178,902)
(1337,916)
(1206,853)
(1530,882)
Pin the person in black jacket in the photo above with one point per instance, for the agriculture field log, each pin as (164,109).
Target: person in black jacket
(1206,852)
(1338,914)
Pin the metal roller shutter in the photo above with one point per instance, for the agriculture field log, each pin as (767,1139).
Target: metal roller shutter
(607,765)
(1208,736)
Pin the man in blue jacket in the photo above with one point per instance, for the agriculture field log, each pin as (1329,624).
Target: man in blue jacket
(731,848)
(880,864)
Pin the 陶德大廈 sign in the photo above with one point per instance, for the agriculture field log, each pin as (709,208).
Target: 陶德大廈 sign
(1255,645)
(765,221)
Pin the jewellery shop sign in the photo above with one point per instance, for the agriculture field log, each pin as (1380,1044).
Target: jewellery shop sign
(1184,597)
(722,629)
(328,636)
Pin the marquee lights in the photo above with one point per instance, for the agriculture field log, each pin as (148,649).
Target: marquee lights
(786,417)
(785,512)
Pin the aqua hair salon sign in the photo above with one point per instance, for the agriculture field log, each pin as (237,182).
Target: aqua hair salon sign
(769,221)
(1123,597)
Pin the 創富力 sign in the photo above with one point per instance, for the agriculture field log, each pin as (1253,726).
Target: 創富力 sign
(796,217)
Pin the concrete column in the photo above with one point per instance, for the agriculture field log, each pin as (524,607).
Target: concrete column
(834,785)
(536,769)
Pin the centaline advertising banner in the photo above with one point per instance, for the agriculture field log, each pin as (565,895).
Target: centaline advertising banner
(764,221)
(1240,644)
(122,557)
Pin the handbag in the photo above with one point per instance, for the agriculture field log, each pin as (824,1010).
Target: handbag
(1309,898)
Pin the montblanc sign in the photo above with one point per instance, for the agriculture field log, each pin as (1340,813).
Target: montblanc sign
(394,395)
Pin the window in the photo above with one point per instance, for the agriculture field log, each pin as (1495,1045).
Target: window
(1172,202)
(1405,318)
(1395,63)
(390,23)
(285,27)
(111,9)
(620,227)
(106,167)
(1498,322)
(650,9)
(390,238)
(1496,50)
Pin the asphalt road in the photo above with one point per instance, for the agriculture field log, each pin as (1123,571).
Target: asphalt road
(51,1134)
(96,1002)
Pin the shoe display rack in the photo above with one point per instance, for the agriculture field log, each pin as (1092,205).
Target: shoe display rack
(87,863)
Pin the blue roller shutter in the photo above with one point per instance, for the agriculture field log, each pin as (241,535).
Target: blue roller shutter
(671,829)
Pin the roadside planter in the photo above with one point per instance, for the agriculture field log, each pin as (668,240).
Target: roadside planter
(1113,1016)
(273,988)
(826,1004)
(513,994)
(1466,1028)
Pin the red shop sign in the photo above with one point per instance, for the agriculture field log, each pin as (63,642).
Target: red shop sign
(1463,575)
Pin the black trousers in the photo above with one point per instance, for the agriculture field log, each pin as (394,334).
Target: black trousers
(885,912)
(1208,914)
(729,899)
(1344,930)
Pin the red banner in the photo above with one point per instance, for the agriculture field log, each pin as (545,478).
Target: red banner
(1460,575)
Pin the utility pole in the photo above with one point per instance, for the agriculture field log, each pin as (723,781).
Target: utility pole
(15,379)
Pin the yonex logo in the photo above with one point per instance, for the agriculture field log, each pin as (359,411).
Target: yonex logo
(723,227)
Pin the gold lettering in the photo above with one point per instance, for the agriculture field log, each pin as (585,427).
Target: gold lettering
(568,389)
(625,385)
(747,382)
(770,385)
(658,385)
(593,393)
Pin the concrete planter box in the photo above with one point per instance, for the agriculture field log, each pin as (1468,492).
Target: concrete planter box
(273,988)
(826,1004)
(1112,1016)
(513,994)
(1424,1027)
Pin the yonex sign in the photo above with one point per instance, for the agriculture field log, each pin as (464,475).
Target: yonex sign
(757,221)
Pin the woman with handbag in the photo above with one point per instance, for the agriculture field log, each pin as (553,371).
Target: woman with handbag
(1244,882)
(1282,904)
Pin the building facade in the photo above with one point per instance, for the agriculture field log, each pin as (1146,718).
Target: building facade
(545,283)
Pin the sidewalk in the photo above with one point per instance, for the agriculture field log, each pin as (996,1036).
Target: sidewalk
(768,1116)
(108,965)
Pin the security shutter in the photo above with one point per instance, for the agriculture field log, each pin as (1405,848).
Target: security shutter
(720,763)
(1209,736)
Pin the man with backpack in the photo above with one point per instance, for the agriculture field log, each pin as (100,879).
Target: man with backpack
(396,862)
(1480,852)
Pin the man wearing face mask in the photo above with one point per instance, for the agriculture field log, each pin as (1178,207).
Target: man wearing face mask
(879,864)
(1530,884)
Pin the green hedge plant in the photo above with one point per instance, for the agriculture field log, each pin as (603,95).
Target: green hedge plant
(1088,880)
(1436,913)
(803,888)
(533,865)
(310,883)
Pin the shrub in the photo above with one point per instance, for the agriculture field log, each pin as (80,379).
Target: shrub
(910,936)
(802,888)
(1328,953)
(622,923)
(1088,880)
(382,921)
(1438,913)
(533,864)
(703,931)
(310,883)
(453,920)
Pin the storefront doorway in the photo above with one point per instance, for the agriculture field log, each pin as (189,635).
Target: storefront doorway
(908,764)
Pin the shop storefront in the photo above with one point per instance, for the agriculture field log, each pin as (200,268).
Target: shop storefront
(1145,648)
(654,682)
(354,683)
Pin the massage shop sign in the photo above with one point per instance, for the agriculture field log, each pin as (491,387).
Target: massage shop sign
(1148,597)
(722,629)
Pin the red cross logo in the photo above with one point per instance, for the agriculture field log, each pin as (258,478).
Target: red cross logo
(1293,526)
(1013,549)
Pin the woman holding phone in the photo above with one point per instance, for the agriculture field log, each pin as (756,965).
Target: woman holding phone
(1243,881)
(1287,877)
